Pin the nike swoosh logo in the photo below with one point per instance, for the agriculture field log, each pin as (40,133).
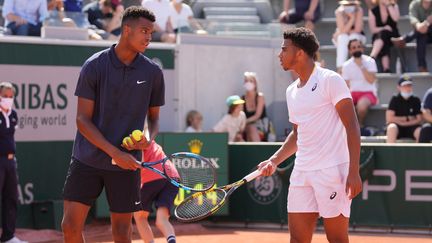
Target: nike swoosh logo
(141,81)
(136,203)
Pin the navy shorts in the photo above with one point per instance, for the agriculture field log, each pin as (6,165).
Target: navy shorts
(84,184)
(161,192)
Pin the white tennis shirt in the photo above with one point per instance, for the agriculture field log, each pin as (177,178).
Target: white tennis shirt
(321,140)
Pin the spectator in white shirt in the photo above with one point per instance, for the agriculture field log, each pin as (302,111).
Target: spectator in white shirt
(234,122)
(360,74)
(163,30)
(25,17)
(194,121)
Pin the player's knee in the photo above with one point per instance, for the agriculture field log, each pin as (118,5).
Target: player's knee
(69,227)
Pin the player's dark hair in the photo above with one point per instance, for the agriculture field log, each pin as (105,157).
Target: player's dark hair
(304,39)
(135,12)
(353,40)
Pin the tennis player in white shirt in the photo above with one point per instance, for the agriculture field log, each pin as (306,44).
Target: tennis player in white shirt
(325,139)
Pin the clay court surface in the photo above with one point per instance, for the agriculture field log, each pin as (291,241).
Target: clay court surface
(191,233)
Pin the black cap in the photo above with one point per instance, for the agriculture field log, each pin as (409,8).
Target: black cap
(405,80)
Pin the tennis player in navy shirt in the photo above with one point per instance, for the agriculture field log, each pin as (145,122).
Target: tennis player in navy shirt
(117,89)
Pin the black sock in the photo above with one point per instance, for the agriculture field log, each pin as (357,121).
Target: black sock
(171,239)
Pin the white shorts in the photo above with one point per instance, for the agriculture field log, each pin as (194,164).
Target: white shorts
(321,191)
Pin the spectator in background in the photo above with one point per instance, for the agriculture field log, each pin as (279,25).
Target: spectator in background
(257,123)
(420,12)
(305,10)
(349,25)
(234,122)
(182,18)
(360,74)
(383,20)
(25,17)
(8,164)
(163,30)
(426,130)
(106,15)
(194,121)
(403,116)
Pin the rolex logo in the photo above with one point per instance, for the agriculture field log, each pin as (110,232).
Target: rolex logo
(195,146)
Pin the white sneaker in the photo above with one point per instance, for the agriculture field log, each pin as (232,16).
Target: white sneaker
(15,240)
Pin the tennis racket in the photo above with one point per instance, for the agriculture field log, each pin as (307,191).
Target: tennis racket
(185,170)
(203,204)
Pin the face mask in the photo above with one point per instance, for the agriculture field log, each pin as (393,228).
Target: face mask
(406,95)
(357,54)
(249,86)
(178,1)
(6,103)
(349,9)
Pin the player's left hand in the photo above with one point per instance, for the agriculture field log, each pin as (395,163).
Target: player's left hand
(137,141)
(353,185)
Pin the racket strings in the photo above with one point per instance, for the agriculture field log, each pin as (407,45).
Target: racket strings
(200,204)
(194,173)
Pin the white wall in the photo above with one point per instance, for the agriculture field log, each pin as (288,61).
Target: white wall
(209,69)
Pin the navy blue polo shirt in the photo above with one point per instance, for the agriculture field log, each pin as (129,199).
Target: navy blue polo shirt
(8,122)
(122,96)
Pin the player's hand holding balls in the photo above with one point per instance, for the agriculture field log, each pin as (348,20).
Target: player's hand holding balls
(135,141)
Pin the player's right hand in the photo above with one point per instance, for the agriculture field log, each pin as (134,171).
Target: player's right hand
(267,167)
(125,161)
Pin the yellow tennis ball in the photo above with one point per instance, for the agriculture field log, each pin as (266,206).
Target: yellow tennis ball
(137,135)
(127,141)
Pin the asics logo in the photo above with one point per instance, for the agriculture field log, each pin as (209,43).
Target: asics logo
(141,81)
(314,87)
(333,195)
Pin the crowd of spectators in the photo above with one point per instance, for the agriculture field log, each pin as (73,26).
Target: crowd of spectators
(25,17)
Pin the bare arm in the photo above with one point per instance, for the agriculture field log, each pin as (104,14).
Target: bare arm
(288,148)
(259,110)
(402,120)
(358,25)
(345,109)
(313,5)
(286,5)
(87,128)
(369,76)
(393,10)
(372,25)
(340,23)
(153,121)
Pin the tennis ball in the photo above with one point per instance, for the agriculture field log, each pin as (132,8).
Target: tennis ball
(137,135)
(127,141)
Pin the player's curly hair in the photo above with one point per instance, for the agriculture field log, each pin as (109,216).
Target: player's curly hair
(136,12)
(304,39)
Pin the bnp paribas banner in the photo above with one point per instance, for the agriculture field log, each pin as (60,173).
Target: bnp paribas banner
(45,75)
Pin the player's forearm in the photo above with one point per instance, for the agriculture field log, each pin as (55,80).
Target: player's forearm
(153,125)
(92,133)
(353,140)
(288,148)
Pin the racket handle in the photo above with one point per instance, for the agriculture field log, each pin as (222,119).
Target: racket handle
(252,176)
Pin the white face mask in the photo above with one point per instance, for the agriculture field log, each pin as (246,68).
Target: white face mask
(349,9)
(6,103)
(406,95)
(249,86)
